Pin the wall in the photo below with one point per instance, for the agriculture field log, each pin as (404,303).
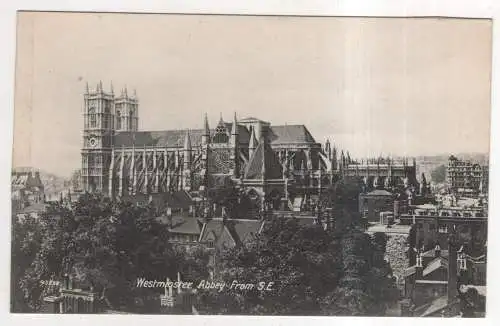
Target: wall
(396,255)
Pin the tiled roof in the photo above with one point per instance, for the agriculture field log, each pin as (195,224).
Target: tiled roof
(251,119)
(263,156)
(434,265)
(240,230)
(432,307)
(165,138)
(171,138)
(379,192)
(410,271)
(183,225)
(432,253)
(290,134)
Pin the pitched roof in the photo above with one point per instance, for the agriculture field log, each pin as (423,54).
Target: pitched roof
(263,164)
(251,119)
(380,192)
(239,230)
(410,271)
(434,265)
(432,307)
(171,138)
(290,134)
(164,138)
(432,253)
(183,225)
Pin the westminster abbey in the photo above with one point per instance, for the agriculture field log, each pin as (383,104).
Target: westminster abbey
(281,164)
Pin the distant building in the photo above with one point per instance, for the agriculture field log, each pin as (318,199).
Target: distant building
(373,203)
(27,188)
(466,178)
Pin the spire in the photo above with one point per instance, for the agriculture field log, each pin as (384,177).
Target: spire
(135,93)
(205,137)
(111,87)
(234,133)
(221,121)
(235,125)
(206,127)
(86,87)
(187,142)
(100,86)
(125,91)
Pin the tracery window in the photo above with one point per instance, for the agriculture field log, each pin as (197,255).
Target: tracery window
(92,118)
(221,134)
(118,120)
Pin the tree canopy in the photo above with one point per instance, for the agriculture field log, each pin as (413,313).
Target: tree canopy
(102,245)
(315,271)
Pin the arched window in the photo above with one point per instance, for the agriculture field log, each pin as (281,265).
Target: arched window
(118,120)
(221,134)
(92,118)
(131,119)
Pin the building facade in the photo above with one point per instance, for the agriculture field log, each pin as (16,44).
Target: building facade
(120,160)
(280,166)
(466,177)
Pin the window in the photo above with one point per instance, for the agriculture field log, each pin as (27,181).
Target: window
(131,119)
(118,120)
(92,118)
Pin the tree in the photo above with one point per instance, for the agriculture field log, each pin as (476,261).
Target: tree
(102,245)
(438,175)
(26,242)
(316,271)
(301,261)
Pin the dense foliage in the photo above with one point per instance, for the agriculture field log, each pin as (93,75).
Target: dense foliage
(101,245)
(315,271)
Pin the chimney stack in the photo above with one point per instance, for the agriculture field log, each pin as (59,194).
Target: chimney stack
(419,266)
(452,269)
(437,250)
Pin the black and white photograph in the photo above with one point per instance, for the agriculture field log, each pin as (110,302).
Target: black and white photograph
(193,164)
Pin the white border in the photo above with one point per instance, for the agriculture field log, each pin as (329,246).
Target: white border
(400,8)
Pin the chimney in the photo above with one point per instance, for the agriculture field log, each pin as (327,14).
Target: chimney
(169,216)
(65,281)
(452,269)
(437,250)
(70,282)
(419,267)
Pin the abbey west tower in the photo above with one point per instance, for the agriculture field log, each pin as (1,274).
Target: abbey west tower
(104,115)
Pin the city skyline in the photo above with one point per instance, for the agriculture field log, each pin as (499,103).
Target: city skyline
(367,85)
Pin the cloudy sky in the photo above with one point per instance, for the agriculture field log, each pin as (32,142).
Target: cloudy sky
(372,85)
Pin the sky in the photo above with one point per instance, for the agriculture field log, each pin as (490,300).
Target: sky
(391,86)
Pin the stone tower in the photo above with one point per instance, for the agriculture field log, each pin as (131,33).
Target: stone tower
(97,138)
